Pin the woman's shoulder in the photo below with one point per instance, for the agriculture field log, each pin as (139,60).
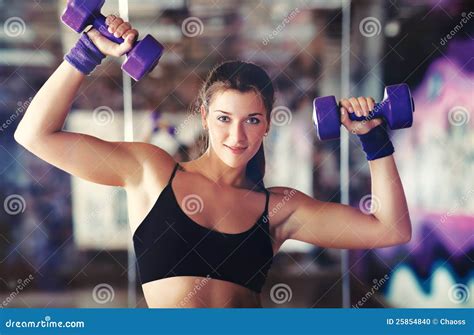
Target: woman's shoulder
(282,203)
(156,164)
(280,195)
(147,152)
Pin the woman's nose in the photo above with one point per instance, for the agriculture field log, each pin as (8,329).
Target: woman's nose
(237,133)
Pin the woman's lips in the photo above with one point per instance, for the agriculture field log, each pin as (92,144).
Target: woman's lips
(236,150)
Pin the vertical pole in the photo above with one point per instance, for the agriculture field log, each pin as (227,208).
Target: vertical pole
(128,136)
(344,154)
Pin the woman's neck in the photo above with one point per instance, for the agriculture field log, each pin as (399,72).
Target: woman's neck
(217,171)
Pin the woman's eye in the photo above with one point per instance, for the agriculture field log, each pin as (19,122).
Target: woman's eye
(254,120)
(220,118)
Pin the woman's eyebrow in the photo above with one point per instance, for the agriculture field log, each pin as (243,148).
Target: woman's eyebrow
(221,111)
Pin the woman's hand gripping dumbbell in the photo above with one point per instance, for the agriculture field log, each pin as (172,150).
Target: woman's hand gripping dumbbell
(109,36)
(120,29)
(363,117)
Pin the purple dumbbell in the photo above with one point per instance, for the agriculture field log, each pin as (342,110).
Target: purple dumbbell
(396,109)
(141,59)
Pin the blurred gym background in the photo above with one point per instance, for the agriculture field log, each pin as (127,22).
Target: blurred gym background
(64,242)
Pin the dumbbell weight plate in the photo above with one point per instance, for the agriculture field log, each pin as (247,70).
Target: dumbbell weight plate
(326,118)
(399,112)
(143,57)
(79,14)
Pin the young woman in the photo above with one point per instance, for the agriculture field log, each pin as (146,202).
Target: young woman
(205,231)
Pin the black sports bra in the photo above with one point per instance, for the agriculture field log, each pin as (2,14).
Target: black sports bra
(169,244)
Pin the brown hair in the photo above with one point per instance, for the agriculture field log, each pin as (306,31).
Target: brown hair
(243,77)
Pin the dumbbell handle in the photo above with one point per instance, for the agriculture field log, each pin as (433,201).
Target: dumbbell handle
(101,26)
(376,112)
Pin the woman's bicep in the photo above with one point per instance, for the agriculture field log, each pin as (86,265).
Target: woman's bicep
(334,225)
(91,158)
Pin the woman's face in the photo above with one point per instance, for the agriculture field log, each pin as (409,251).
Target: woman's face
(236,123)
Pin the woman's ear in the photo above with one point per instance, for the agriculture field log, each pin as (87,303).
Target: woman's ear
(203,117)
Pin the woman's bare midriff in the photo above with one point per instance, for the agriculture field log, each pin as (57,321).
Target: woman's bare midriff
(198,292)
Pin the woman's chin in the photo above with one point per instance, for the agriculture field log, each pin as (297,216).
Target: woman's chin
(235,159)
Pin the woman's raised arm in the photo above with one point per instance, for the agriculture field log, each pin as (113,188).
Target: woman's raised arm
(333,225)
(340,226)
(88,157)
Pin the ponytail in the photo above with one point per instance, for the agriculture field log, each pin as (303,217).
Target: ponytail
(255,170)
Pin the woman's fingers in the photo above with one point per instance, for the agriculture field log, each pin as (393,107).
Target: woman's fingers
(347,105)
(364,107)
(114,23)
(128,39)
(132,34)
(376,122)
(121,29)
(371,103)
(355,106)
(109,19)
(360,106)
(346,108)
